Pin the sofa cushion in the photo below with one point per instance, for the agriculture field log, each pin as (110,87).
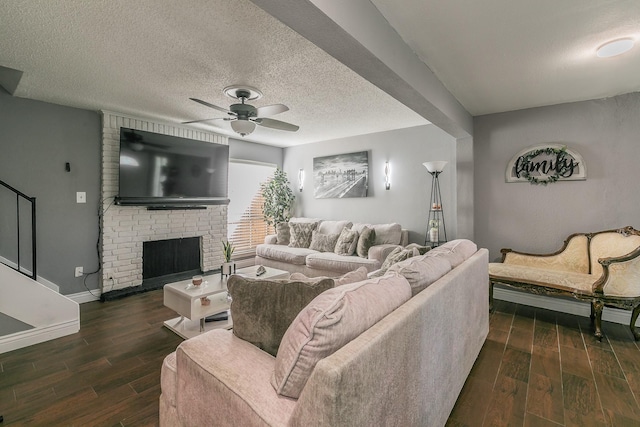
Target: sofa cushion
(296,256)
(385,233)
(300,234)
(282,233)
(339,263)
(169,379)
(456,251)
(421,271)
(262,310)
(347,242)
(329,322)
(347,278)
(566,280)
(323,242)
(366,239)
(333,227)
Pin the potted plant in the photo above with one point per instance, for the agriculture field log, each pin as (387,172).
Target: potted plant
(228,267)
(278,199)
(433,230)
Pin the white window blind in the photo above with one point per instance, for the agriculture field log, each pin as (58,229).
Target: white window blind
(246,225)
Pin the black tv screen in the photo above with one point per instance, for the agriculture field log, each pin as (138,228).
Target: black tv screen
(166,170)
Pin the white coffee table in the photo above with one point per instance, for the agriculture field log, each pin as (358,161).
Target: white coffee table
(186,300)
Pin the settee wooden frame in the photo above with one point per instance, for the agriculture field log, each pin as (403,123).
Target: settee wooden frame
(596,297)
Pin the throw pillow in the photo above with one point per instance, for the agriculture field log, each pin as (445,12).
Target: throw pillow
(396,255)
(365,241)
(323,242)
(420,249)
(347,242)
(282,233)
(350,277)
(301,233)
(262,310)
(330,321)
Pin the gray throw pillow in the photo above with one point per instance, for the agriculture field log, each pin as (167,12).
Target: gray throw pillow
(323,242)
(347,242)
(396,255)
(282,233)
(262,310)
(365,241)
(301,234)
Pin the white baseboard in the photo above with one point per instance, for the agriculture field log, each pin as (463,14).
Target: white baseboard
(563,305)
(40,279)
(82,297)
(38,335)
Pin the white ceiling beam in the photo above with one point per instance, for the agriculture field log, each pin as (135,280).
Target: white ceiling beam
(356,34)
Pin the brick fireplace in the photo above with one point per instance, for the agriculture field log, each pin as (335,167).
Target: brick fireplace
(126,228)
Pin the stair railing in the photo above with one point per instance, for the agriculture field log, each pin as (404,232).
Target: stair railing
(32,202)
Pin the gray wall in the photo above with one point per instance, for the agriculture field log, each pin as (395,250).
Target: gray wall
(36,139)
(407,200)
(253,151)
(535,218)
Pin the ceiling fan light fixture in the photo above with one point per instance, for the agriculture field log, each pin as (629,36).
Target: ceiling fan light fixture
(615,47)
(243,127)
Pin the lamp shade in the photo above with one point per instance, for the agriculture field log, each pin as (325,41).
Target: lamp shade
(436,166)
(243,127)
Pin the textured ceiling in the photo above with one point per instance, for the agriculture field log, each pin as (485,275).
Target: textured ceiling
(502,55)
(147,57)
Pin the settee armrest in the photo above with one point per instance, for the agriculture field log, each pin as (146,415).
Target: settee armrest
(271,239)
(225,381)
(620,276)
(573,256)
(380,252)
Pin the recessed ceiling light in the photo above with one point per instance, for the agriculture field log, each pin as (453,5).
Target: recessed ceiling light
(615,47)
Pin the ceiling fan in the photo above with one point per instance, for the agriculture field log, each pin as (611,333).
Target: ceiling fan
(245,117)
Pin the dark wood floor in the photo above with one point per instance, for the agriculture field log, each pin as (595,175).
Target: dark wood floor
(537,368)
(542,368)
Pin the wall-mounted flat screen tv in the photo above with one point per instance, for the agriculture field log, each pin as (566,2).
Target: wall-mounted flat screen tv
(164,170)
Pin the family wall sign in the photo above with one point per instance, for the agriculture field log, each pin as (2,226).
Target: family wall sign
(545,164)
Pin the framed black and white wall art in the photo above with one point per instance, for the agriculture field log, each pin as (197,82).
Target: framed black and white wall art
(341,175)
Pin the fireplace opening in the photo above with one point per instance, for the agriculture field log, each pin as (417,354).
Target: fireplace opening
(166,261)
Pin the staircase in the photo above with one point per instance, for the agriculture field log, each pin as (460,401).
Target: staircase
(36,312)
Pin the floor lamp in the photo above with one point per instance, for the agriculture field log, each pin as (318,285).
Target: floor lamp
(436,230)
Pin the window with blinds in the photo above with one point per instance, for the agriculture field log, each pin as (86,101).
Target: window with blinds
(246,226)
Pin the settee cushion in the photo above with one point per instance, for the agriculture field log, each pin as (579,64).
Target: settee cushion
(300,234)
(347,242)
(366,239)
(262,310)
(567,280)
(341,263)
(349,277)
(421,271)
(323,242)
(329,322)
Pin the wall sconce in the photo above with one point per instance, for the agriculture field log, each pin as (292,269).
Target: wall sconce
(387,176)
(300,179)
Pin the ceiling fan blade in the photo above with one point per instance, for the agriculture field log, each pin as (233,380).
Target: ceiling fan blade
(205,120)
(215,107)
(271,110)
(243,127)
(277,124)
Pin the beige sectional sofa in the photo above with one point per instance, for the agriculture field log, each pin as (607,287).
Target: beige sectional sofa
(405,369)
(314,263)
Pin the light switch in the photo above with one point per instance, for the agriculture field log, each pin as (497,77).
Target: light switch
(81,197)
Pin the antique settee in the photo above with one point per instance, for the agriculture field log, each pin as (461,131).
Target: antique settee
(602,268)
(312,262)
(406,369)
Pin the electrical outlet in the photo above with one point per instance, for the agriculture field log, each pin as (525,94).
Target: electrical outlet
(79,271)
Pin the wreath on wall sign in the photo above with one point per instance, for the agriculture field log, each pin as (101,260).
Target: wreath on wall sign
(558,152)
